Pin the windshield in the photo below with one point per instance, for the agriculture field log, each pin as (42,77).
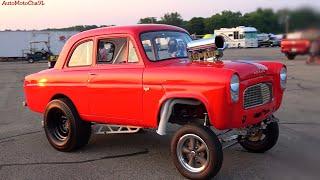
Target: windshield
(250,35)
(161,45)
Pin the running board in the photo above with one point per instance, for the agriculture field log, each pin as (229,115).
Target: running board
(114,129)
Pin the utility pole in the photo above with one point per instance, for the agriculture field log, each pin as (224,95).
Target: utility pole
(286,22)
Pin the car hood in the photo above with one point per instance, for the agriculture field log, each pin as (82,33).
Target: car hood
(245,69)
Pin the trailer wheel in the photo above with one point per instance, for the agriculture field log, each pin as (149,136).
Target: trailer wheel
(197,152)
(64,129)
(261,141)
(31,60)
(290,56)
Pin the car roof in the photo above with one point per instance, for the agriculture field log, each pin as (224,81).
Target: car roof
(132,29)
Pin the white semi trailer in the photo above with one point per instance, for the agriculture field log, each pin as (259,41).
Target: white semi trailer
(16,44)
(239,37)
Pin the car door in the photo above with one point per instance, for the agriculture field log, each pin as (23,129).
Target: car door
(72,80)
(115,82)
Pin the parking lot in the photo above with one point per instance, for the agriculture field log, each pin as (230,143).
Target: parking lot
(26,154)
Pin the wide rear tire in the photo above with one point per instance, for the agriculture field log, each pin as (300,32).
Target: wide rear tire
(196,152)
(64,129)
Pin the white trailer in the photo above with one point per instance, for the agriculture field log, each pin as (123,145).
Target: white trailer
(239,37)
(15,44)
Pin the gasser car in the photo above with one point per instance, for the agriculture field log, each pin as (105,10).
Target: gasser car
(146,76)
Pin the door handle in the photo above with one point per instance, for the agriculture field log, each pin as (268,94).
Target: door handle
(146,88)
(91,74)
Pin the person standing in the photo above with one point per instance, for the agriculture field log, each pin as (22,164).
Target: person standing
(314,54)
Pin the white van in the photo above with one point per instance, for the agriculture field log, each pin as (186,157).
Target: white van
(239,37)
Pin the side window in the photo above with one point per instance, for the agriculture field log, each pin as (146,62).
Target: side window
(82,55)
(236,35)
(112,51)
(105,52)
(132,54)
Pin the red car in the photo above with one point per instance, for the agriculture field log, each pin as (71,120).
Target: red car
(141,77)
(293,47)
(299,43)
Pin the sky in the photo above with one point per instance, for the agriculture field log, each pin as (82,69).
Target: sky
(65,13)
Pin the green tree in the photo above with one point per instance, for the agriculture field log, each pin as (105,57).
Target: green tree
(174,19)
(265,20)
(196,25)
(148,20)
(304,18)
(225,19)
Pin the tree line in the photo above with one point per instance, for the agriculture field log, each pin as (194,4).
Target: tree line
(265,20)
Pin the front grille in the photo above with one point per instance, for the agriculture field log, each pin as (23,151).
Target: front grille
(257,94)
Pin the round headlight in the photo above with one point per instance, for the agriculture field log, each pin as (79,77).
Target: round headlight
(283,77)
(234,84)
(234,88)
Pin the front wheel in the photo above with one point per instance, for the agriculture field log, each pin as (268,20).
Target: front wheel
(197,152)
(262,140)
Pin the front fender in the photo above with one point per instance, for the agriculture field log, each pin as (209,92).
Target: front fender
(185,95)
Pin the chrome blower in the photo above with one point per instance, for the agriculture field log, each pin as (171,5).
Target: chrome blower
(206,49)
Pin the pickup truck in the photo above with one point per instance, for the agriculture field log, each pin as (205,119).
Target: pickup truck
(299,43)
(143,76)
(293,47)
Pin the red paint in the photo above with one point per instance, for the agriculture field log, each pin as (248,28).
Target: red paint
(295,46)
(116,93)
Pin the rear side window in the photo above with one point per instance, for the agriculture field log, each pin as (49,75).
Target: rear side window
(82,55)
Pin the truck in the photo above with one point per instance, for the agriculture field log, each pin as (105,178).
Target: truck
(298,43)
(239,37)
(119,80)
(268,40)
(24,44)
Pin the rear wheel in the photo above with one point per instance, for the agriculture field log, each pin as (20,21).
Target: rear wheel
(64,129)
(290,56)
(197,152)
(262,140)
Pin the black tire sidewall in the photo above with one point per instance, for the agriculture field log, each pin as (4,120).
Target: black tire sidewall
(290,56)
(77,131)
(214,146)
(272,135)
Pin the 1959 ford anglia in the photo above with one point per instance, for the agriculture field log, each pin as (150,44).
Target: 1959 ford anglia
(146,76)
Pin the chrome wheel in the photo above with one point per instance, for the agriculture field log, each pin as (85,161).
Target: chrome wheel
(193,153)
